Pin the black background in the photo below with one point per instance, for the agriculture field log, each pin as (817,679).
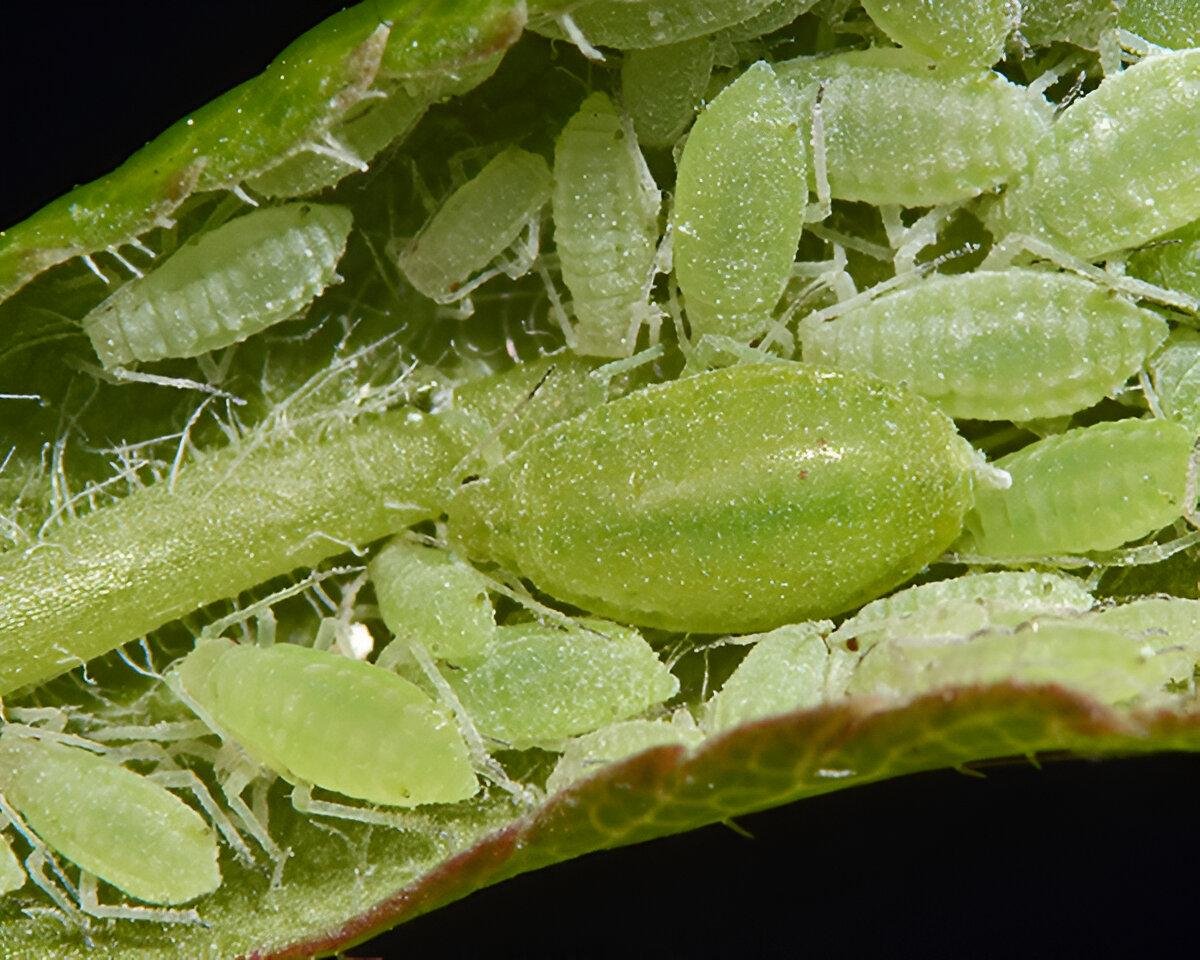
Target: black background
(1076,860)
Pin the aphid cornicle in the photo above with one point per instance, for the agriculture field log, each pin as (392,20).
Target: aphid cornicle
(1082,195)
(1007,345)
(1092,488)
(733,501)
(900,130)
(112,823)
(224,286)
(314,718)
(450,254)
(739,207)
(959,31)
(605,228)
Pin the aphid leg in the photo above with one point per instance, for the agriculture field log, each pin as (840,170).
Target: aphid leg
(605,373)
(824,205)
(525,251)
(1151,395)
(575,35)
(233,784)
(187,780)
(35,866)
(91,265)
(304,802)
(1111,60)
(557,309)
(713,350)
(481,759)
(91,905)
(923,233)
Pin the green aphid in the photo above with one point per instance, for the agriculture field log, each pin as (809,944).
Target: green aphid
(1175,374)
(787,669)
(315,718)
(224,285)
(739,207)
(435,598)
(1007,345)
(970,32)
(540,685)
(1091,488)
(110,822)
(735,501)
(590,753)
(1083,195)
(1174,24)
(662,87)
(1173,262)
(898,129)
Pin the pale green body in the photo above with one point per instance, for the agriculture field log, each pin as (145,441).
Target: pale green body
(1119,166)
(637,24)
(435,598)
(1081,22)
(540,685)
(739,207)
(733,501)
(1168,626)
(318,718)
(959,31)
(477,223)
(776,14)
(112,822)
(662,87)
(1092,488)
(1011,345)
(1087,657)
(218,289)
(605,227)
(1176,376)
(786,669)
(590,753)
(898,130)
(1166,23)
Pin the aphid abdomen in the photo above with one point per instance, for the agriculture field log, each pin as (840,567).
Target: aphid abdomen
(1011,345)
(636,25)
(110,821)
(223,287)
(1093,488)
(733,501)
(661,88)
(1081,192)
(898,130)
(605,226)
(540,685)
(319,718)
(1166,23)
(739,207)
(588,754)
(968,32)
(476,224)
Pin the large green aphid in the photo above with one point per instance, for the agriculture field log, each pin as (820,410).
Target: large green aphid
(314,718)
(739,207)
(1092,488)
(112,823)
(224,286)
(958,31)
(898,129)
(826,488)
(540,684)
(1082,195)
(995,346)
(605,227)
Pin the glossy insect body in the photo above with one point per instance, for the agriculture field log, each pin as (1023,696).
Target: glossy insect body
(733,501)
(605,226)
(1011,345)
(476,224)
(1083,195)
(739,207)
(661,88)
(637,24)
(898,130)
(224,286)
(109,821)
(317,718)
(540,685)
(1093,488)
(959,31)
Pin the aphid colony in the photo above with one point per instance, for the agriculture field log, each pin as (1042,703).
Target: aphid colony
(772,503)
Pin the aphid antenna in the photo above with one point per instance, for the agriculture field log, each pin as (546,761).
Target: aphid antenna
(823,208)
(315,577)
(568,25)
